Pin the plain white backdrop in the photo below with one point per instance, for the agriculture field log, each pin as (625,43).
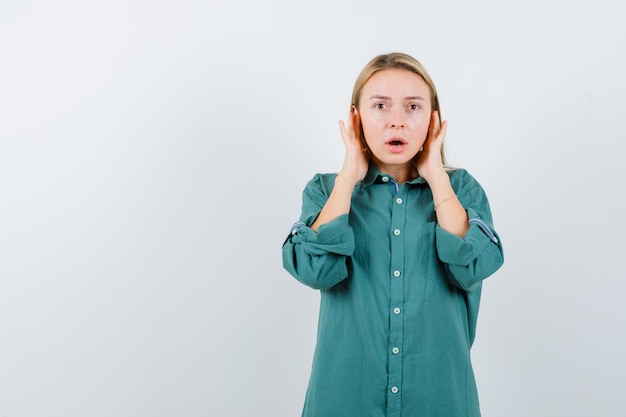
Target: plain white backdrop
(152,158)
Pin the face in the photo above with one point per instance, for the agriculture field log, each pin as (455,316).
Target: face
(395,111)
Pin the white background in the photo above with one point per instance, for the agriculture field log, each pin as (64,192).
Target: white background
(152,158)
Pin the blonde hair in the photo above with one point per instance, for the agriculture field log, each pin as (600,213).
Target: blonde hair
(396,60)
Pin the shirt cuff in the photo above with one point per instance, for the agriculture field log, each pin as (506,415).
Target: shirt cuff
(455,250)
(336,236)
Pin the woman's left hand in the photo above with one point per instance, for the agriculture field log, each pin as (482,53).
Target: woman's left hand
(429,163)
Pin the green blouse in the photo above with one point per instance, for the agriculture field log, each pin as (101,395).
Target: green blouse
(399,298)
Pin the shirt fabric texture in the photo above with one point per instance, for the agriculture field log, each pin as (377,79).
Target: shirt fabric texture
(399,298)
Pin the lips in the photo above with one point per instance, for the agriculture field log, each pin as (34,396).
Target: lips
(396,144)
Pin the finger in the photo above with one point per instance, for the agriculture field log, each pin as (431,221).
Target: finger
(354,125)
(344,132)
(354,128)
(358,135)
(434,125)
(443,129)
(436,142)
(357,120)
(350,127)
(347,135)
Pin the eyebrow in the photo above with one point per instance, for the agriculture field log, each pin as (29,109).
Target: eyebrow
(379,97)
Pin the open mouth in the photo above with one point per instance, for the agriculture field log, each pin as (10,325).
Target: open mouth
(396,145)
(396,142)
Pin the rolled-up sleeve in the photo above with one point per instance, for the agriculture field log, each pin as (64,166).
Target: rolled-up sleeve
(479,254)
(318,259)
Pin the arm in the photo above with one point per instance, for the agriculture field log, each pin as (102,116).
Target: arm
(318,259)
(316,251)
(354,168)
(477,255)
(451,215)
(466,241)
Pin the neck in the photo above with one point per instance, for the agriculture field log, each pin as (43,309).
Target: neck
(400,173)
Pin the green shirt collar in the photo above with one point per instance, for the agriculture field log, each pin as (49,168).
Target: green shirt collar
(375,176)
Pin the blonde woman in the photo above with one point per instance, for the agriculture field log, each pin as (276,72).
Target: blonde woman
(398,244)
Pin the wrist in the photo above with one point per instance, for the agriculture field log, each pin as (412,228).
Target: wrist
(439,176)
(345,179)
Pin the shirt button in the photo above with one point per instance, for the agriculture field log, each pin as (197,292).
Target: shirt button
(385,179)
(395,350)
(396,273)
(399,200)
(394,390)
(396,232)
(396,310)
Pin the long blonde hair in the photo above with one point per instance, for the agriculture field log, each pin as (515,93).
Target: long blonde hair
(396,60)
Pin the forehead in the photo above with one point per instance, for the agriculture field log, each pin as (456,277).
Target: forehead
(395,83)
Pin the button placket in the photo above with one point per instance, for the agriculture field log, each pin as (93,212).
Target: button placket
(396,282)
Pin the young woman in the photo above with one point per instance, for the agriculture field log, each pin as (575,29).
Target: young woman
(398,244)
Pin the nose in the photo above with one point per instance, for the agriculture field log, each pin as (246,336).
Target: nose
(396,118)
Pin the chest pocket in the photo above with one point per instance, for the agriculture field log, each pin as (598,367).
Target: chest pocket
(432,268)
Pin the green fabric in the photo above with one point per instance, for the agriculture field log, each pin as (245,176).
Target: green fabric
(398,310)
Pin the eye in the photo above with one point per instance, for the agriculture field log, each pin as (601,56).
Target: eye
(380,106)
(414,106)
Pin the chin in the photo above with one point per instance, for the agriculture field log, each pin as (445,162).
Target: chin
(398,160)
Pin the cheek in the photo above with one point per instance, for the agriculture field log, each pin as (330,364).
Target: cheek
(418,119)
(369,126)
(419,124)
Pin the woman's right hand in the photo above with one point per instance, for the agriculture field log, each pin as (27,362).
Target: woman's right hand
(356,159)
(355,165)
